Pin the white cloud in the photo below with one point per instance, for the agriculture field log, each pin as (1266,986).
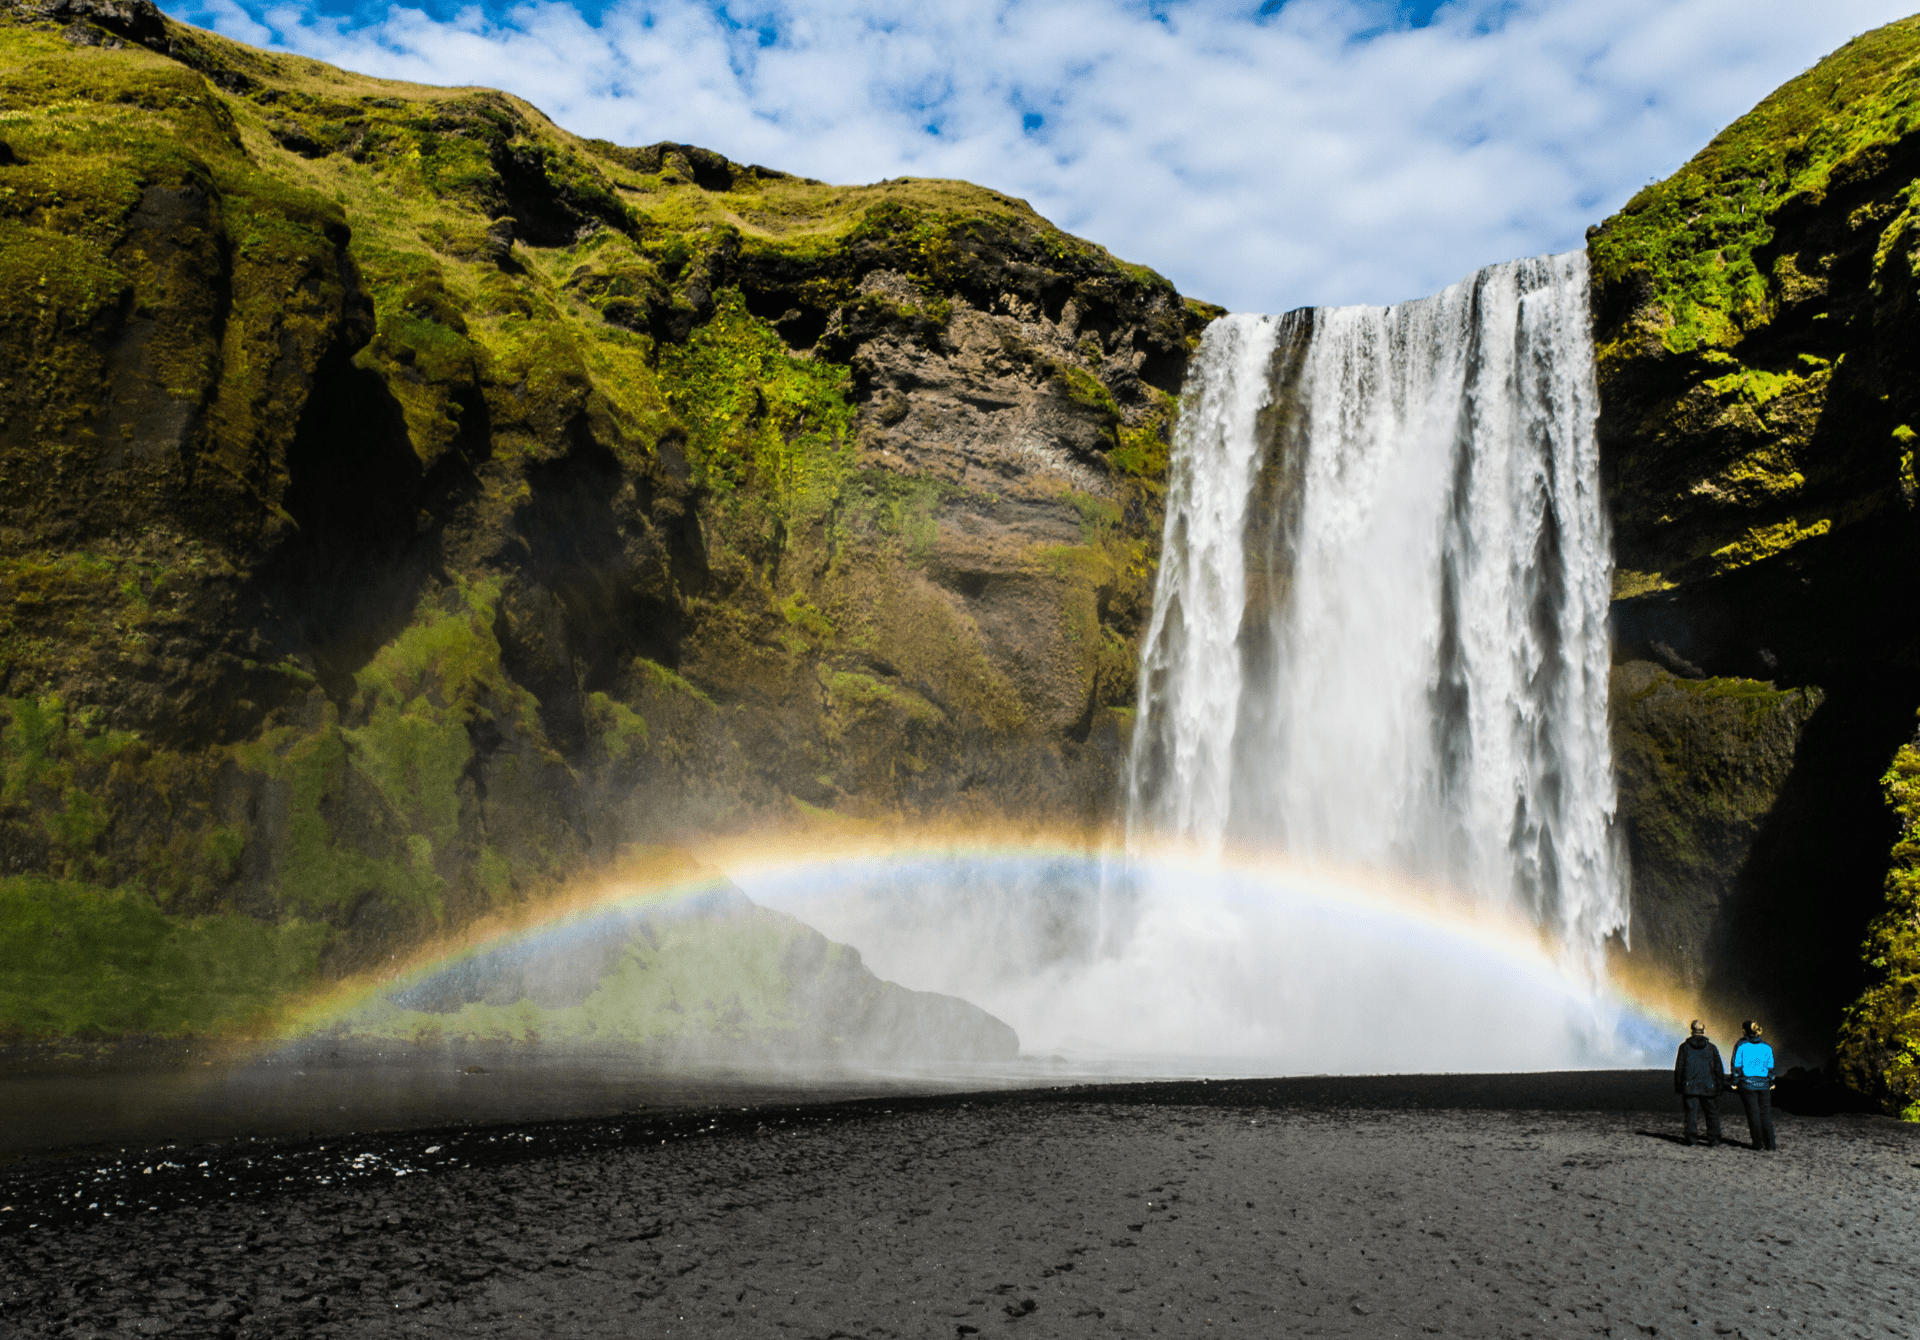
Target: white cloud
(1317,155)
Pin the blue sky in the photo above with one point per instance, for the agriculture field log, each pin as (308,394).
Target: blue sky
(1261,155)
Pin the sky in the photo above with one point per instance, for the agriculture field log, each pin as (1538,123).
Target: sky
(1262,154)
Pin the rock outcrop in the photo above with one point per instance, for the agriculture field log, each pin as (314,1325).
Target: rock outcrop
(708,978)
(409,504)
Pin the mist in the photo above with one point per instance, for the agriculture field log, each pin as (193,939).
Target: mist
(1166,967)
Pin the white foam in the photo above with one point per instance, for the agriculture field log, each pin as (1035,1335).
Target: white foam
(1426,691)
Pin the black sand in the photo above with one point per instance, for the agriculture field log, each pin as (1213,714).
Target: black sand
(1558,1205)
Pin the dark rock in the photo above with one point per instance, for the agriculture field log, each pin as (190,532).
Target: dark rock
(294,137)
(500,240)
(136,20)
(1675,662)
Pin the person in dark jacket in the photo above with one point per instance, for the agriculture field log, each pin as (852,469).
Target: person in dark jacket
(1753,1080)
(1698,1077)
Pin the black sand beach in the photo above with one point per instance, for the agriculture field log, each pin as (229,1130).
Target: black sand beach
(1526,1205)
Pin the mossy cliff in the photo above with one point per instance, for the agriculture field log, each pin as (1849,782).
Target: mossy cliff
(1757,322)
(405,505)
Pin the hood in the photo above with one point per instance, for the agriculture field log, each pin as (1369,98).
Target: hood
(1697,1043)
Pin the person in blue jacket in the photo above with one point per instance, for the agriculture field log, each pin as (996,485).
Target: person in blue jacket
(1753,1081)
(1698,1077)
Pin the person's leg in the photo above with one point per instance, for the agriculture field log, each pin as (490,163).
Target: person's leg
(1712,1101)
(1750,1099)
(1690,1104)
(1766,1117)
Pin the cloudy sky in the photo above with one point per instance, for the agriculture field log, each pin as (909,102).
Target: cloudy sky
(1263,154)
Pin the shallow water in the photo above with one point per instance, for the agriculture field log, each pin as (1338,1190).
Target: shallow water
(301,1092)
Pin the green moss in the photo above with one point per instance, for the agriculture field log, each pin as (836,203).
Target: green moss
(420,692)
(54,768)
(34,728)
(1701,762)
(854,691)
(320,874)
(1099,517)
(1143,452)
(1766,541)
(901,509)
(1694,238)
(1754,386)
(417,698)
(1879,1041)
(669,682)
(621,730)
(496,874)
(1628,584)
(77,959)
(1090,394)
(63,610)
(801,613)
(771,434)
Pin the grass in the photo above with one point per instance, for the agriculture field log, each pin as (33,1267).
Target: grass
(78,960)
(1696,238)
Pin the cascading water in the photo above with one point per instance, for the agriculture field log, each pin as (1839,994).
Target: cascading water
(1378,641)
(1380,635)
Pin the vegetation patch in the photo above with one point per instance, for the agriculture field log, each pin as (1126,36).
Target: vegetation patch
(622,731)
(854,691)
(1697,238)
(685,981)
(79,960)
(1766,541)
(1879,1041)
(771,434)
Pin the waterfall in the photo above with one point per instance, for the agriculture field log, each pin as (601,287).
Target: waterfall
(1379,637)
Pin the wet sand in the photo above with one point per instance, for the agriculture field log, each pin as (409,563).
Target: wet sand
(178,1099)
(1557,1205)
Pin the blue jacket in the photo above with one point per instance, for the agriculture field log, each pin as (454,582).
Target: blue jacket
(1752,1064)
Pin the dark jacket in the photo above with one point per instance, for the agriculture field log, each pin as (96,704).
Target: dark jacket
(1697,1068)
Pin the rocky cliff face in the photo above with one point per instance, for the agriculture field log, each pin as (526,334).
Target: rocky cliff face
(1755,320)
(407,505)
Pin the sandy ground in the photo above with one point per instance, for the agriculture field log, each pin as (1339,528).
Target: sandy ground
(1471,1206)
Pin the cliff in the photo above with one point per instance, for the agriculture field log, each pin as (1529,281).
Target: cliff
(406,505)
(1757,320)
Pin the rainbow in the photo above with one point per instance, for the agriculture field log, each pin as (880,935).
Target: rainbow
(655,882)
